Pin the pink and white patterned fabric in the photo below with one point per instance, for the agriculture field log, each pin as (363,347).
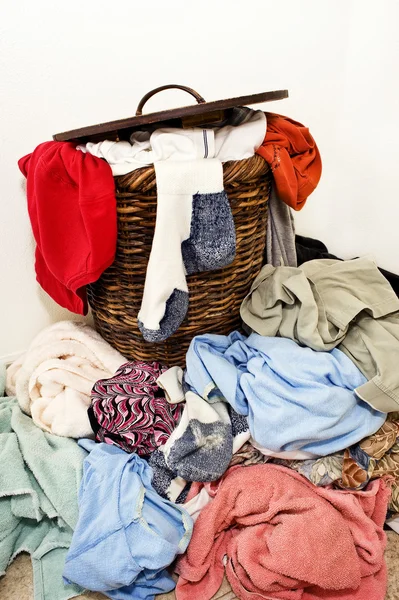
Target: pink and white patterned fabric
(130,410)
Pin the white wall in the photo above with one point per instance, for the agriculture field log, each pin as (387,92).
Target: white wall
(69,64)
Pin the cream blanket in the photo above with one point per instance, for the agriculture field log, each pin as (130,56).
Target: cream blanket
(53,380)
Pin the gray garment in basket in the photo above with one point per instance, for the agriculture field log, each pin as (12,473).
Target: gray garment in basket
(280,233)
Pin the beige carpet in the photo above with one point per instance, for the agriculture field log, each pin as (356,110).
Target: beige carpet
(17,583)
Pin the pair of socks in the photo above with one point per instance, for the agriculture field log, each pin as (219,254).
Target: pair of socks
(194,232)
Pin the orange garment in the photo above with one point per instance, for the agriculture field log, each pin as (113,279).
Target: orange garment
(293,157)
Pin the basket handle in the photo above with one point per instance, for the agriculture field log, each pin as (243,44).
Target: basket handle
(149,95)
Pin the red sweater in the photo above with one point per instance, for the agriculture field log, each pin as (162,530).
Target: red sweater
(72,208)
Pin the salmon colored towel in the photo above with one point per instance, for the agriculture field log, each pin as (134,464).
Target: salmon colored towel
(293,157)
(278,536)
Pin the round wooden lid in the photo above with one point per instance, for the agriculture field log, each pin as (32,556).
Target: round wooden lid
(192,115)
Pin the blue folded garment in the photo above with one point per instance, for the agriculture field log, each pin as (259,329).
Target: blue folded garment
(295,399)
(127,534)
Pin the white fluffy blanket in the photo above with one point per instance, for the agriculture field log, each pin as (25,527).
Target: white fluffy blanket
(53,380)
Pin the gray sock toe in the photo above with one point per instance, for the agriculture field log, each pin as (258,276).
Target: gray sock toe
(175,310)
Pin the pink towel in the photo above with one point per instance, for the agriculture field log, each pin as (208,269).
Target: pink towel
(279,536)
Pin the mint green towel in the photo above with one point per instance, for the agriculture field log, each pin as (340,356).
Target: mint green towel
(40,474)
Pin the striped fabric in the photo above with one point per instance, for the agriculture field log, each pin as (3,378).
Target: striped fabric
(129,410)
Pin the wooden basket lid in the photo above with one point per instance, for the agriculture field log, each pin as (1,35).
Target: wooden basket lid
(205,111)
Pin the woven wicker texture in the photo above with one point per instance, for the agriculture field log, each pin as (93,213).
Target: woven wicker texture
(215,296)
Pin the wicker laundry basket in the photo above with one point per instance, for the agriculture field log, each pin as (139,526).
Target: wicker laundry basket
(215,296)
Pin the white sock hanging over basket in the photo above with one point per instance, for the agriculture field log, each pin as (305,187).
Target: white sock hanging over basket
(194,232)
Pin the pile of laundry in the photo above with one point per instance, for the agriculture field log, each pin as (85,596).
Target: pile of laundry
(270,457)
(288,433)
(195,228)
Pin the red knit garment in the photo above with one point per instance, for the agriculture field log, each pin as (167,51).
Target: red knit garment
(293,157)
(72,208)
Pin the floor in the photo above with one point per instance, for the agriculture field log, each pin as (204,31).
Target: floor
(17,583)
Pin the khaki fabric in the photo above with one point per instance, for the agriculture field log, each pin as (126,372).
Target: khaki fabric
(324,304)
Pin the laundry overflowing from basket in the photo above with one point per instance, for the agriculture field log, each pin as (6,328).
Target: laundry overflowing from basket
(233,418)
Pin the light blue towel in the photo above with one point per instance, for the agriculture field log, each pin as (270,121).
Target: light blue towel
(295,399)
(127,534)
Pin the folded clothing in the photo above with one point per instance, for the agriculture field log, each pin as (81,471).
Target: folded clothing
(130,409)
(53,380)
(328,303)
(40,477)
(295,399)
(72,209)
(126,534)
(294,158)
(248,529)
